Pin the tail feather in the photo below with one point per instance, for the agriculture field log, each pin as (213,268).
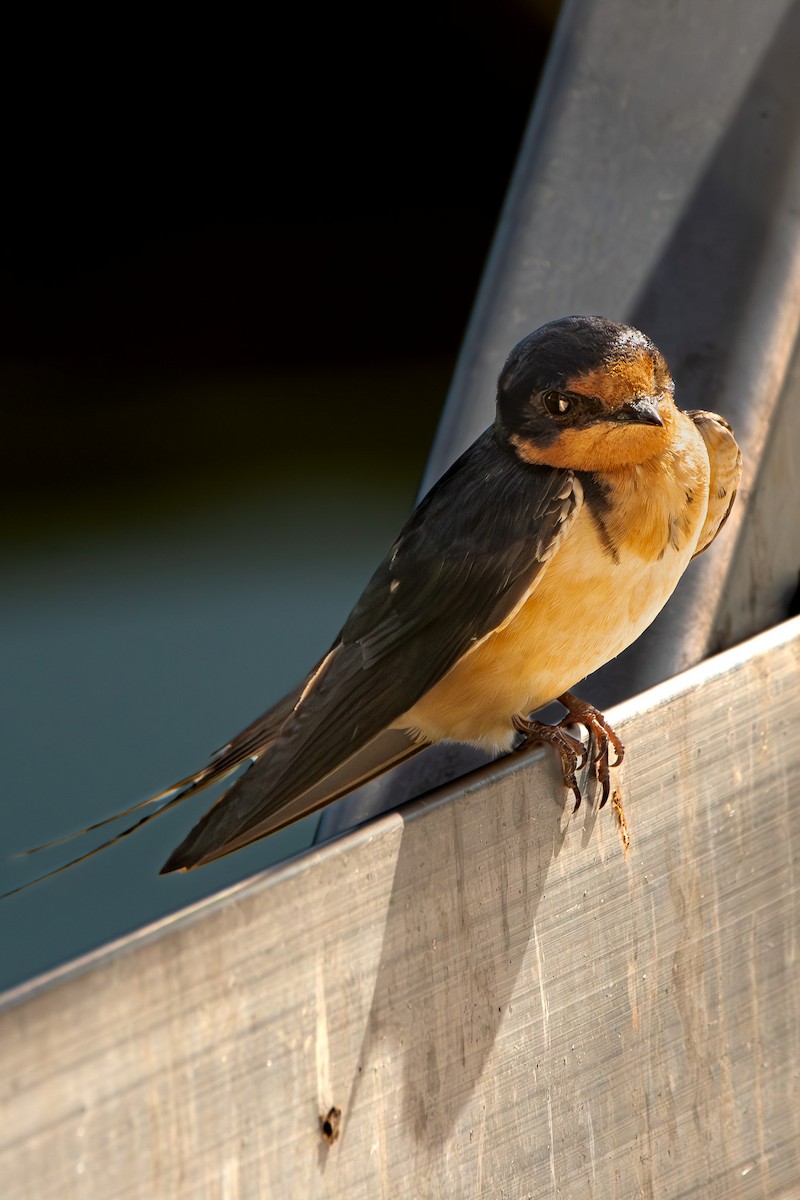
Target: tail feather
(182,786)
(228,825)
(249,744)
(73,862)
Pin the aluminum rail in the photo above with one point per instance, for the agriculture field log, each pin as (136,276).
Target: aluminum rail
(490,1005)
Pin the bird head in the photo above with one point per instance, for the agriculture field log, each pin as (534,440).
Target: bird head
(587,394)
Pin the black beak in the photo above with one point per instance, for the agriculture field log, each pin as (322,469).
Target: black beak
(643,411)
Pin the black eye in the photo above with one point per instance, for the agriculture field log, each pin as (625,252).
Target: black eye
(556,403)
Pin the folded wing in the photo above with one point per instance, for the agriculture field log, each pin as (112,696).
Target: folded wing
(725,459)
(463,562)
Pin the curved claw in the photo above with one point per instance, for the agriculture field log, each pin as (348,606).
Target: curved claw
(572,752)
(603,736)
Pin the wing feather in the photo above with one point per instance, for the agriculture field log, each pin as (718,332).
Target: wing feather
(725,459)
(461,565)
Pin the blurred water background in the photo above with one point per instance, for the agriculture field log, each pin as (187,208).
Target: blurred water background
(234,278)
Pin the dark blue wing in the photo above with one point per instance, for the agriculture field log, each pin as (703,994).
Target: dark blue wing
(462,563)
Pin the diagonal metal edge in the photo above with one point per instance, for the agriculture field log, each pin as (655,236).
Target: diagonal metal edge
(390,825)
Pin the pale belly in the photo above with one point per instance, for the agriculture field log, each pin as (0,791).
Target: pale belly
(585,610)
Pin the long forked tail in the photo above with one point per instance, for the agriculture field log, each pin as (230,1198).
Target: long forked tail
(112,841)
(248,745)
(250,810)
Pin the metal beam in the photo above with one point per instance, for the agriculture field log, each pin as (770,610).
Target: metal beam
(497,1007)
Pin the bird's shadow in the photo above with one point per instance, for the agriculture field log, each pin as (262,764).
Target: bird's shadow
(468,881)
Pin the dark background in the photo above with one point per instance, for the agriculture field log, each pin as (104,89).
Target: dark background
(193,213)
(236,265)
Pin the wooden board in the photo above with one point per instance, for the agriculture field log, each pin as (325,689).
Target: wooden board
(498,1008)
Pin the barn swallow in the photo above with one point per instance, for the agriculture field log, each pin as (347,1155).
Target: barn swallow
(543,552)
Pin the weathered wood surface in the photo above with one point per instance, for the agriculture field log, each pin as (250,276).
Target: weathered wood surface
(499,1009)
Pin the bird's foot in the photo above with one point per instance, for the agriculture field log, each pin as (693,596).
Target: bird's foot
(601,737)
(572,752)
